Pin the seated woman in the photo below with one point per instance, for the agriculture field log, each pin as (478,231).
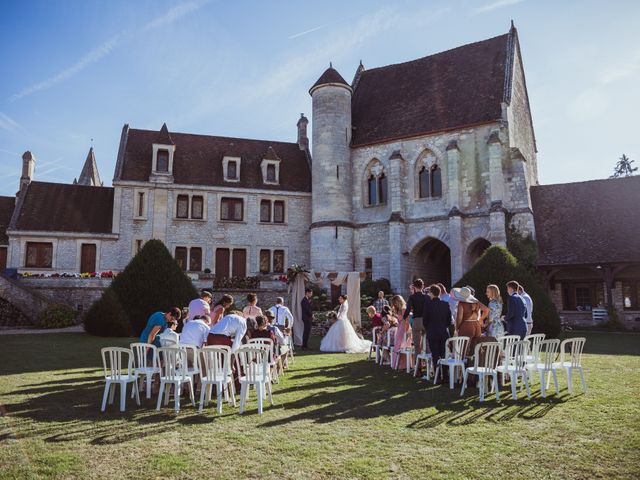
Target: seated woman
(251,310)
(391,331)
(217,312)
(386,324)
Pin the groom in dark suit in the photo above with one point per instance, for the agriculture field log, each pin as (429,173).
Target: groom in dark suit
(307,317)
(436,317)
(516,311)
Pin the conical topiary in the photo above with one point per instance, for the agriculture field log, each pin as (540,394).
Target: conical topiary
(498,266)
(107,318)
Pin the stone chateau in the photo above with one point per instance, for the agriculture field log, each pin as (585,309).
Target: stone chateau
(413,169)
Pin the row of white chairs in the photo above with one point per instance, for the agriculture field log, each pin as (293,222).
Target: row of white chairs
(520,360)
(181,363)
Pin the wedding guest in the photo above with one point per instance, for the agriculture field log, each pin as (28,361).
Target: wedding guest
(516,311)
(374,316)
(200,307)
(470,313)
(386,324)
(283,317)
(415,304)
(156,323)
(229,331)
(262,331)
(269,317)
(380,301)
(528,302)
(402,338)
(307,317)
(217,312)
(251,310)
(169,337)
(495,327)
(436,319)
(195,333)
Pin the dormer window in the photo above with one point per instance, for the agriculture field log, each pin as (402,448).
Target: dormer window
(162,161)
(270,171)
(231,169)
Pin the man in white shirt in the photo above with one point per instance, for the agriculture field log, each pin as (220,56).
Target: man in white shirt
(195,333)
(282,317)
(528,303)
(200,307)
(228,331)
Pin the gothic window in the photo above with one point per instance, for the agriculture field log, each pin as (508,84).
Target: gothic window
(372,185)
(265,211)
(278,211)
(436,181)
(162,161)
(182,209)
(424,183)
(382,188)
(197,207)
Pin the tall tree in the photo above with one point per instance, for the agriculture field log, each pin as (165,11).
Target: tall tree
(624,167)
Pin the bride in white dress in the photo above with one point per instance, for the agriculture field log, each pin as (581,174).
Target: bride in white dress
(341,337)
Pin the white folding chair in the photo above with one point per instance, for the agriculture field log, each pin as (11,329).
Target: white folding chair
(427,357)
(192,352)
(485,363)
(544,364)
(455,351)
(406,351)
(514,365)
(254,365)
(145,363)
(267,344)
(506,341)
(534,346)
(388,347)
(118,372)
(216,371)
(174,372)
(374,344)
(573,362)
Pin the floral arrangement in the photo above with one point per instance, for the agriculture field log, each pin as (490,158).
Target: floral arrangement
(294,270)
(106,274)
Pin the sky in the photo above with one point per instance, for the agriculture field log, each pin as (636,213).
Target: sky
(73,72)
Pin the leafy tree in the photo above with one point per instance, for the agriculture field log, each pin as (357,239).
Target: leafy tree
(152,281)
(624,167)
(498,266)
(523,247)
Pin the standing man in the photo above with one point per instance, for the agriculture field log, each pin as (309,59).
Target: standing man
(529,304)
(307,316)
(282,316)
(415,304)
(201,307)
(380,301)
(436,319)
(516,311)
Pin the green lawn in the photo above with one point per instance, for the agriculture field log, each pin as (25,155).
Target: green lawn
(336,416)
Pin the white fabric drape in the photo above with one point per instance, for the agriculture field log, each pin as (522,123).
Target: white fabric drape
(353,295)
(297,293)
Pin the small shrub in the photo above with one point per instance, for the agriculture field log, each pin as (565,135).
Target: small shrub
(58,316)
(107,318)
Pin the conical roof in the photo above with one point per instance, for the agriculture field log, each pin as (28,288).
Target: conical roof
(330,77)
(89,175)
(164,138)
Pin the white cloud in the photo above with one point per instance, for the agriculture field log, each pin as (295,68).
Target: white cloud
(496,5)
(106,48)
(9,124)
(621,71)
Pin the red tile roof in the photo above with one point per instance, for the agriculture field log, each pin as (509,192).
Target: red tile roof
(587,222)
(58,207)
(452,89)
(198,160)
(6,210)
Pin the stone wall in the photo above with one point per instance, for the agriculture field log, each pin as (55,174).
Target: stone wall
(29,302)
(79,293)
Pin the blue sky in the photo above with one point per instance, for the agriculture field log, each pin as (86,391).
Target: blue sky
(77,70)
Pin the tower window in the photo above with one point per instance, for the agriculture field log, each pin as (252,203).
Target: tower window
(373,187)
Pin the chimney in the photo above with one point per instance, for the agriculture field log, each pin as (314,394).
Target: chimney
(28,166)
(303,140)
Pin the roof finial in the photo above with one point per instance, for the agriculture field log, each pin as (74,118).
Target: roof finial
(330,64)
(512,25)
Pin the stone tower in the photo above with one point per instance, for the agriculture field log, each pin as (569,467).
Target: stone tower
(332,214)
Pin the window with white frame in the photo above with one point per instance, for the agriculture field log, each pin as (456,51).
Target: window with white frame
(231,169)
(270,172)
(190,206)
(231,209)
(162,160)
(140,204)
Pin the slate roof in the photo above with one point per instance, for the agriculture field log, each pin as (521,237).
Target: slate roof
(330,75)
(6,210)
(588,222)
(89,174)
(58,207)
(198,160)
(448,90)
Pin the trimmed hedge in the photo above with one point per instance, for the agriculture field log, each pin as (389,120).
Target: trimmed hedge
(497,265)
(107,318)
(58,316)
(370,288)
(152,281)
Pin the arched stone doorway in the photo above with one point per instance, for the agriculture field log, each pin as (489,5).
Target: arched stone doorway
(431,261)
(475,251)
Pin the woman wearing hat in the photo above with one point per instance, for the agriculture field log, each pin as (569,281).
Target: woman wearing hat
(471,313)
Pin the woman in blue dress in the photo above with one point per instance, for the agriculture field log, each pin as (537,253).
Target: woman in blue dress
(495,326)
